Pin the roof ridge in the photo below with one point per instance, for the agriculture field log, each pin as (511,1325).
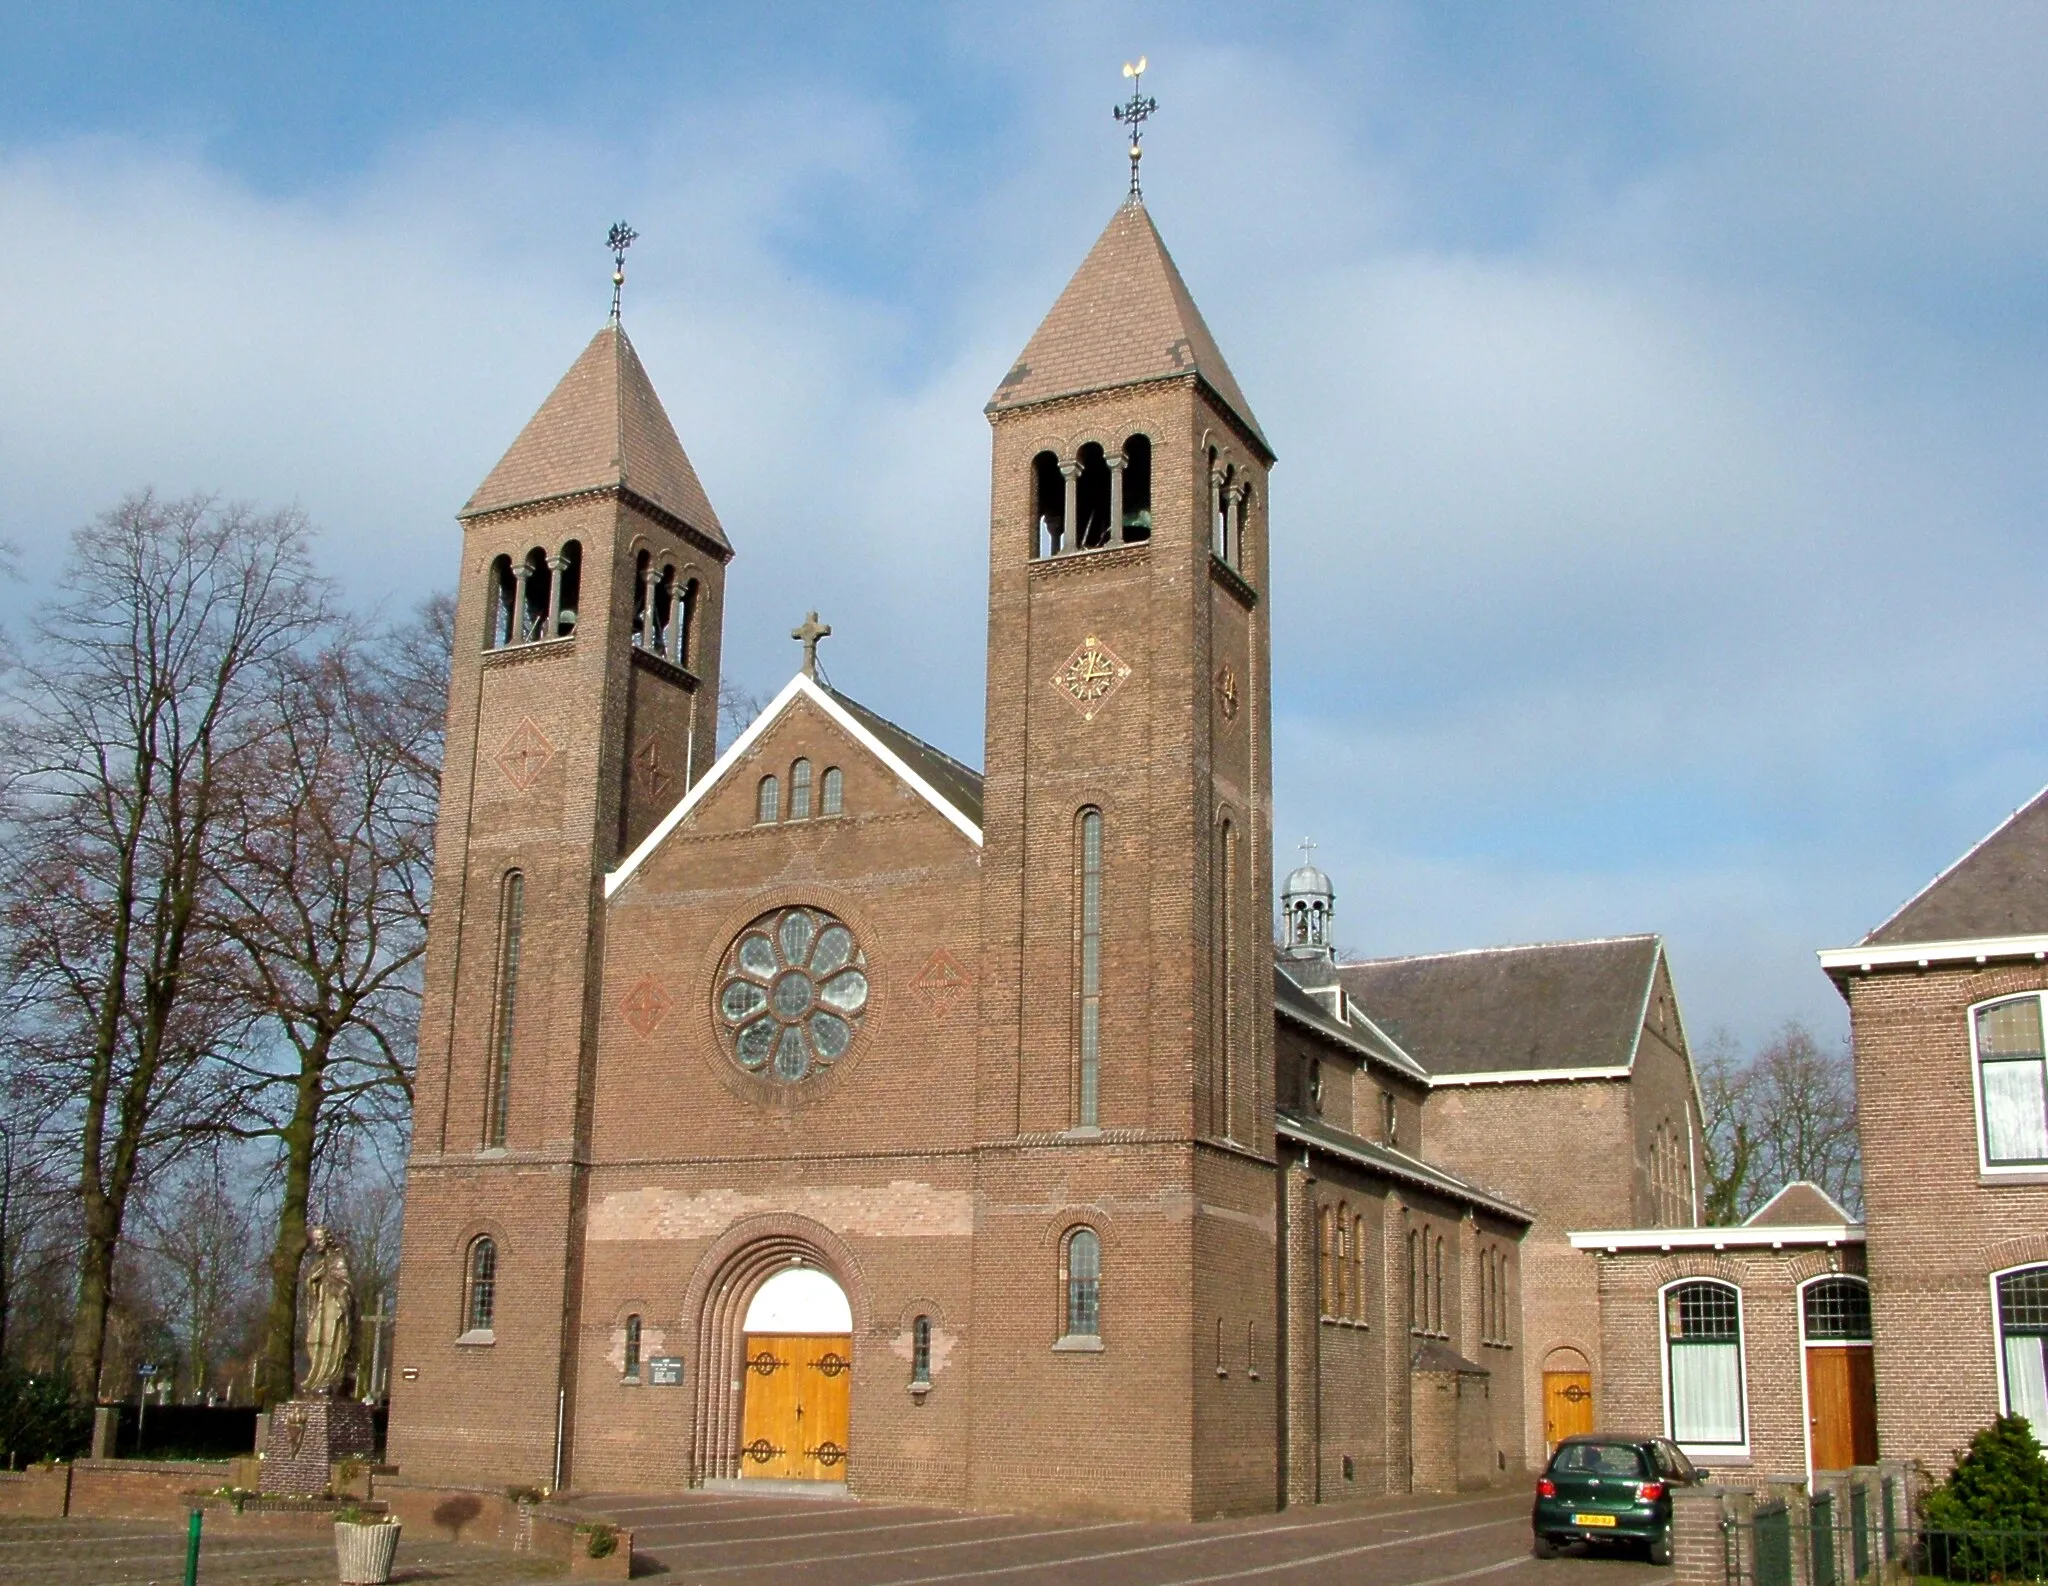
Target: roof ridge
(1869,937)
(957,763)
(1508,947)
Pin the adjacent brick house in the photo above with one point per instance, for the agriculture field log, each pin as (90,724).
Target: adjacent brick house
(1945,1006)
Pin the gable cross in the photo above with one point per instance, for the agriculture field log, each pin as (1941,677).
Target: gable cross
(809,633)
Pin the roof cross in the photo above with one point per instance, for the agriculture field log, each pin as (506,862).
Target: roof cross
(1308,850)
(809,633)
(1134,113)
(621,237)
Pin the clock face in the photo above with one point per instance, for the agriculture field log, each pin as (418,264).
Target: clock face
(1091,675)
(1226,693)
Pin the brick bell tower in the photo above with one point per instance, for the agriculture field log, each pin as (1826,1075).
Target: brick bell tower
(1126,1074)
(583,702)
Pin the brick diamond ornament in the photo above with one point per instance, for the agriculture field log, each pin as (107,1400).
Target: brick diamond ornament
(941,981)
(1091,675)
(645,1006)
(524,755)
(647,766)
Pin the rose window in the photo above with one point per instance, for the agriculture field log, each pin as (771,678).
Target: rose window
(792,994)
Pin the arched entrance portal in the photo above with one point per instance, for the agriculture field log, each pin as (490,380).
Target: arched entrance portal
(795,1418)
(1567,1396)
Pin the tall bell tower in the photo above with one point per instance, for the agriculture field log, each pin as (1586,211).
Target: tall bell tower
(1125,1082)
(582,704)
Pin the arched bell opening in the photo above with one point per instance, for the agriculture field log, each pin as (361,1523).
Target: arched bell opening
(570,564)
(503,625)
(1091,500)
(536,593)
(774,1395)
(1048,506)
(1137,481)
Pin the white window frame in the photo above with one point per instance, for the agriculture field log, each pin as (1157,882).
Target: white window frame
(1998,1320)
(1707,1451)
(1985,1165)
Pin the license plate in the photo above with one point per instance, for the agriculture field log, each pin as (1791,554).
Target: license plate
(1592,1519)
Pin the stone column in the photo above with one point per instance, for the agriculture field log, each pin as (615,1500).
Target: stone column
(1233,532)
(1070,529)
(556,566)
(520,573)
(1216,511)
(646,600)
(678,617)
(1116,496)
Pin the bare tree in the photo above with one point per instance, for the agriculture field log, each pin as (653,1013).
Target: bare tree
(1785,1112)
(326,900)
(145,689)
(199,1239)
(737,708)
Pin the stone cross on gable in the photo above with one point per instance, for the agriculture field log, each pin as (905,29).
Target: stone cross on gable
(811,631)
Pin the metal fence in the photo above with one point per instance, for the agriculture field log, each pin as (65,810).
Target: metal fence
(1815,1543)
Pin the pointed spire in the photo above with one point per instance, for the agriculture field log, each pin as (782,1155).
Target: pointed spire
(1126,318)
(601,428)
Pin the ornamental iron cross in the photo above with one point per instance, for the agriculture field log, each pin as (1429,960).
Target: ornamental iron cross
(1134,113)
(620,238)
(809,633)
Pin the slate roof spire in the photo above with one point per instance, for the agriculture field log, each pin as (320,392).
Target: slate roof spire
(601,428)
(1126,318)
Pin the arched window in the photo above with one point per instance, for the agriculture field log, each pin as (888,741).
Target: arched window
(569,589)
(1390,1118)
(768,802)
(1226,985)
(643,602)
(1703,1364)
(833,792)
(1836,1310)
(632,1366)
(1088,930)
(2013,1098)
(1084,1284)
(1358,1311)
(1091,500)
(1414,1281)
(480,1278)
(511,925)
(921,1352)
(1326,1244)
(1137,480)
(2023,1344)
(800,791)
(1436,1308)
(1048,506)
(536,594)
(1343,1260)
(501,625)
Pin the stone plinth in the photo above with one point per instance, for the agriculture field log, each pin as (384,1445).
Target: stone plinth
(306,1437)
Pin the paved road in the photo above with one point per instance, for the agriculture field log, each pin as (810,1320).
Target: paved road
(142,1552)
(738,1540)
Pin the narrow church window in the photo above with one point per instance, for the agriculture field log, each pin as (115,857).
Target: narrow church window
(1251,1350)
(1137,480)
(833,792)
(1390,1119)
(503,623)
(1358,1311)
(768,802)
(1327,1246)
(1437,1273)
(1343,1259)
(1414,1281)
(800,791)
(632,1367)
(511,923)
(1049,506)
(2010,1069)
(1221,1369)
(1084,1284)
(481,1303)
(1092,503)
(921,1352)
(569,587)
(1090,932)
(1226,937)
(1315,1086)
(1703,1337)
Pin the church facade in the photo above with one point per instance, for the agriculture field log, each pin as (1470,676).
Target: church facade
(826,1110)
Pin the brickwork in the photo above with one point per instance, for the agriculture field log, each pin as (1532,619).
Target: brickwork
(1773,1357)
(304,1438)
(1938,1227)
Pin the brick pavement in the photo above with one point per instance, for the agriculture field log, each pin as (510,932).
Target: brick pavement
(721,1539)
(144,1552)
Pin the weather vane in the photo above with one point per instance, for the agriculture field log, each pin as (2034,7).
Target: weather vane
(1134,113)
(621,238)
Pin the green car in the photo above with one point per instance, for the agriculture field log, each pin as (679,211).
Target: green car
(1609,1488)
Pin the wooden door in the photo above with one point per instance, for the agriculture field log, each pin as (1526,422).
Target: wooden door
(796,1420)
(1567,1405)
(1841,1405)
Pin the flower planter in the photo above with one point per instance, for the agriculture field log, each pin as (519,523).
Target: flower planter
(365,1552)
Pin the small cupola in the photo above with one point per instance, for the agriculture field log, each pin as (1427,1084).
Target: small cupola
(1307,901)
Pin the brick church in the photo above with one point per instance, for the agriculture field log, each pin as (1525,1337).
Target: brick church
(826,1110)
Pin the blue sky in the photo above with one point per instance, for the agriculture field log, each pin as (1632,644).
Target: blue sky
(1659,391)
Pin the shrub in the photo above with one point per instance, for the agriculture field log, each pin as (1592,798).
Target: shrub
(1999,1485)
(599,1540)
(39,1418)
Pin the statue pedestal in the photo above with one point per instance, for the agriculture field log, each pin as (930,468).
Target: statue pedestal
(306,1437)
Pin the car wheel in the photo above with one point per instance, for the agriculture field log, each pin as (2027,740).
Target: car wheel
(1544,1546)
(1660,1548)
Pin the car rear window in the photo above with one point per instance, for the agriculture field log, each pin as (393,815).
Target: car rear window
(1598,1459)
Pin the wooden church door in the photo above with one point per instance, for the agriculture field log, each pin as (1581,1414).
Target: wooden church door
(796,1421)
(1567,1405)
(1841,1406)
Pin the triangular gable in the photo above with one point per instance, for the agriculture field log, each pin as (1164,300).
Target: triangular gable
(1999,888)
(800,685)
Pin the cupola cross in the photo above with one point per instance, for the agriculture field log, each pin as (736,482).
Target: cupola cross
(1308,850)
(1134,113)
(809,633)
(621,237)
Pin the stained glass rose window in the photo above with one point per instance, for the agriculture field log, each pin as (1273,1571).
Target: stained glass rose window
(792,993)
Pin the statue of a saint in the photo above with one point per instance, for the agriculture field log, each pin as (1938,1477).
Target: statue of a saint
(330,1317)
